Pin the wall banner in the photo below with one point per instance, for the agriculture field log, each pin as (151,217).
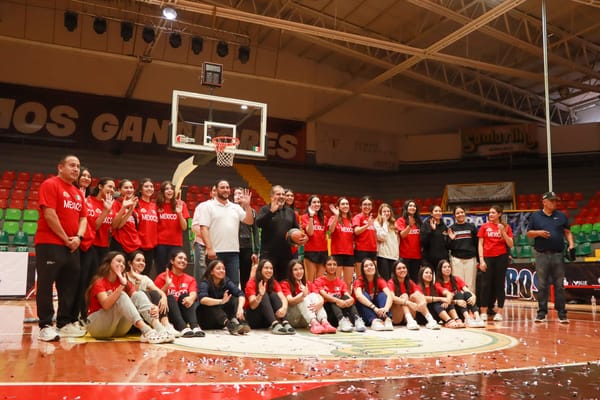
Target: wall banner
(497,140)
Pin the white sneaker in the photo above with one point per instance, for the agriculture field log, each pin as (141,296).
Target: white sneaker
(433,325)
(152,337)
(470,322)
(388,325)
(498,317)
(483,317)
(187,332)
(166,337)
(72,330)
(377,325)
(49,334)
(172,331)
(359,325)
(412,325)
(345,325)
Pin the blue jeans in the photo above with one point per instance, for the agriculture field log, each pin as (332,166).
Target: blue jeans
(365,312)
(199,261)
(231,259)
(550,269)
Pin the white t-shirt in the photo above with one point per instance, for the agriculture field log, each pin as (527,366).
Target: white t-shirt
(223,222)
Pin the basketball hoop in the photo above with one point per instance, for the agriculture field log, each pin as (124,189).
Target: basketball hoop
(225,148)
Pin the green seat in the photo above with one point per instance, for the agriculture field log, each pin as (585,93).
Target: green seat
(596,227)
(31,215)
(514,252)
(526,252)
(584,249)
(586,228)
(4,238)
(30,228)
(575,229)
(522,240)
(580,237)
(594,236)
(11,227)
(1,213)
(12,214)
(20,239)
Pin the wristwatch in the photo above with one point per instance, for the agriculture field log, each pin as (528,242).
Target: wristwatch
(80,238)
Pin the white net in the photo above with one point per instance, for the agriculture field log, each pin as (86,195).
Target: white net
(225,158)
(225,148)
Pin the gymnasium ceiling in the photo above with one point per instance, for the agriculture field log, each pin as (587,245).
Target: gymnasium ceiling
(482,58)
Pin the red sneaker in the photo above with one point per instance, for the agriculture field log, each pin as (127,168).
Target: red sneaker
(327,327)
(316,329)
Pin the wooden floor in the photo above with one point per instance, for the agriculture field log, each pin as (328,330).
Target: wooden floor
(548,360)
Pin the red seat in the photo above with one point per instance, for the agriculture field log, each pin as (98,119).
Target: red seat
(6,183)
(583,212)
(17,203)
(3,203)
(9,175)
(33,195)
(38,177)
(22,185)
(23,176)
(33,204)
(522,206)
(35,185)
(533,197)
(566,212)
(572,204)
(521,198)
(18,194)
(194,189)
(577,196)
(191,205)
(566,196)
(4,193)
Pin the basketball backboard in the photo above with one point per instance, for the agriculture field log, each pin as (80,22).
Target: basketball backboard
(197,118)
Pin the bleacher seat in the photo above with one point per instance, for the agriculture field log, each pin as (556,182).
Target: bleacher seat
(4,240)
(17,203)
(596,227)
(24,176)
(18,194)
(583,249)
(36,185)
(580,237)
(3,203)
(566,196)
(587,228)
(22,185)
(572,204)
(30,228)
(31,215)
(578,196)
(9,175)
(38,177)
(10,227)
(4,193)
(20,239)
(522,240)
(514,251)
(12,214)
(594,236)
(526,251)
(33,204)
(6,184)
(33,195)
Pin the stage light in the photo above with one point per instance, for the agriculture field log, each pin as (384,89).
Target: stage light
(169,13)
(126,31)
(175,40)
(222,49)
(70,20)
(148,34)
(197,45)
(244,54)
(99,25)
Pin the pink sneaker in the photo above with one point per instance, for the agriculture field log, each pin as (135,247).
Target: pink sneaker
(316,328)
(327,327)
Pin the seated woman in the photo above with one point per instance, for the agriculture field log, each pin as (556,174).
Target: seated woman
(221,301)
(339,305)
(267,306)
(439,306)
(373,297)
(463,299)
(115,306)
(408,299)
(305,304)
(136,264)
(181,293)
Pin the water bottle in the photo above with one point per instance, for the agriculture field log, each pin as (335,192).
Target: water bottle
(593,302)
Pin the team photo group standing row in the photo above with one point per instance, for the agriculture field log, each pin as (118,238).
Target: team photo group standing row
(118,262)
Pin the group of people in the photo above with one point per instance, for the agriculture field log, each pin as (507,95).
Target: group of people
(118,262)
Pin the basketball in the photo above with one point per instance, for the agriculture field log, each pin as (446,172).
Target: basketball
(295,236)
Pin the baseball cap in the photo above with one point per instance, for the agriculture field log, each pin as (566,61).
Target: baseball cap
(549,196)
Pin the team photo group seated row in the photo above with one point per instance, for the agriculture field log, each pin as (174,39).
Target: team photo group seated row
(119,263)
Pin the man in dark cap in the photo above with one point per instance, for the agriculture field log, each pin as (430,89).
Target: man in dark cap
(549,227)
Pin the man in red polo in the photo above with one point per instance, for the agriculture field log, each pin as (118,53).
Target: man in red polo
(61,227)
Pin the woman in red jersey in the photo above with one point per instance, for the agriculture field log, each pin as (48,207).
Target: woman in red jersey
(267,306)
(373,297)
(342,239)
(365,241)
(115,305)
(339,304)
(101,200)
(315,249)
(439,306)
(408,299)
(305,304)
(409,229)
(148,225)
(495,240)
(125,223)
(182,294)
(172,222)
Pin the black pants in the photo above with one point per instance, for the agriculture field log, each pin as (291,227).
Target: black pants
(384,267)
(214,317)
(413,265)
(335,313)
(150,269)
(89,266)
(56,263)
(245,265)
(155,297)
(493,281)
(263,316)
(180,315)
(280,262)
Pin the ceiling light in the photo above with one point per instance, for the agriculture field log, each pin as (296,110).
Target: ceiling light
(148,34)
(169,13)
(197,45)
(126,31)
(99,25)
(222,49)
(244,54)
(70,20)
(175,40)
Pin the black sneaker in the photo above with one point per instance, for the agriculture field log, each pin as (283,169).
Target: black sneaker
(563,320)
(233,326)
(540,318)
(244,328)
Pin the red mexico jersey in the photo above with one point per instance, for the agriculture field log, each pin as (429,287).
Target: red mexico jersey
(342,238)
(318,240)
(366,241)
(169,230)
(148,224)
(410,246)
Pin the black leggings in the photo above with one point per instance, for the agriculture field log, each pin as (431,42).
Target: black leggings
(214,317)
(263,316)
(180,315)
(335,313)
(492,281)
